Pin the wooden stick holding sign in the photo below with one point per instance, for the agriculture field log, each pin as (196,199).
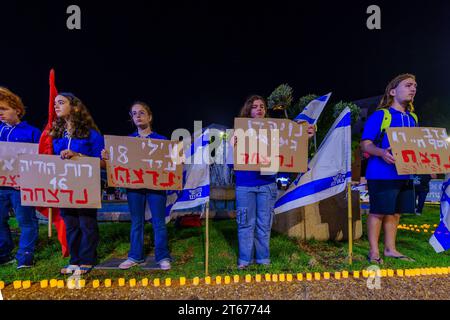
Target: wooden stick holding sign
(207,239)
(270,145)
(420,150)
(50,218)
(144,163)
(350,223)
(49,181)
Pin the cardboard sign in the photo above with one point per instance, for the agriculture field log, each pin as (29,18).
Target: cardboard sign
(49,181)
(9,163)
(270,145)
(137,163)
(420,150)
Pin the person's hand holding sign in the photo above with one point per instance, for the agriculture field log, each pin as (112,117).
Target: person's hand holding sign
(311,130)
(69,154)
(105,155)
(387,156)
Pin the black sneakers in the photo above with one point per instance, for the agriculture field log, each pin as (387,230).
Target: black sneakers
(7,260)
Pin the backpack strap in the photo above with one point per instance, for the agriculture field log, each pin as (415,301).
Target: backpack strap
(387,119)
(415,118)
(386,123)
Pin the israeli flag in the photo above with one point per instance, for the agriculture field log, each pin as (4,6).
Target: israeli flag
(328,171)
(440,240)
(195,177)
(312,111)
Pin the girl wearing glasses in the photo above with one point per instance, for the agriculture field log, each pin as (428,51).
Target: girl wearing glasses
(142,118)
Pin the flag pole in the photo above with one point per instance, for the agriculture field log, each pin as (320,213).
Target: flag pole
(315,143)
(49,222)
(350,223)
(207,239)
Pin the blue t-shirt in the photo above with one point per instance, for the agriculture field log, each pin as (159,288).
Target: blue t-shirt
(91,146)
(377,168)
(21,132)
(253,179)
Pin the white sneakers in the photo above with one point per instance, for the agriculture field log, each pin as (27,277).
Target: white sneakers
(69,269)
(127,264)
(165,265)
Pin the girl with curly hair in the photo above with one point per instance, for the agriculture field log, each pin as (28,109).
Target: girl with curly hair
(75,133)
(256,194)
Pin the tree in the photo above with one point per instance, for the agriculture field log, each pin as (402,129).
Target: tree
(354,109)
(280,100)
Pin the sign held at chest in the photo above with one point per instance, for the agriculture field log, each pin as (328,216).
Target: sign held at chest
(420,150)
(137,163)
(49,181)
(270,145)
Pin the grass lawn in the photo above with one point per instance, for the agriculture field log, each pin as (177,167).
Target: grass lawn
(187,247)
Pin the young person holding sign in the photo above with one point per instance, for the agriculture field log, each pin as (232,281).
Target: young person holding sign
(255,198)
(142,118)
(390,194)
(12,129)
(75,134)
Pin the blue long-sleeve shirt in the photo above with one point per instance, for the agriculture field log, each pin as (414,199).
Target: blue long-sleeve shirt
(152,135)
(91,146)
(22,132)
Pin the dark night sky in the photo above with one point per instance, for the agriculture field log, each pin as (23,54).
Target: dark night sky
(196,61)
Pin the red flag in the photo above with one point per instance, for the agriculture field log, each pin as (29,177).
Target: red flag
(46,147)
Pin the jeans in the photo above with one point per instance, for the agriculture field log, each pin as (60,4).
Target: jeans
(82,235)
(254,220)
(136,203)
(28,224)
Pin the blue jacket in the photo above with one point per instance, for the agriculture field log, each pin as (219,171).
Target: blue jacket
(91,146)
(21,132)
(152,135)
